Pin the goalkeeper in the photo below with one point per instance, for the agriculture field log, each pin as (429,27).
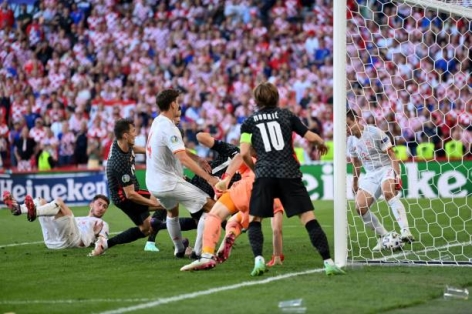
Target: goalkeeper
(370,147)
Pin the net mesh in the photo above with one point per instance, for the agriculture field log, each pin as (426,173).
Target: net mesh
(409,74)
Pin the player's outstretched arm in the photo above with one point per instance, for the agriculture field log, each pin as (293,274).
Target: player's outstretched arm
(233,166)
(315,139)
(247,155)
(195,168)
(200,161)
(205,139)
(139,149)
(135,197)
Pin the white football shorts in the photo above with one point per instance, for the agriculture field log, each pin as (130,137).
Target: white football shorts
(60,233)
(371,182)
(184,193)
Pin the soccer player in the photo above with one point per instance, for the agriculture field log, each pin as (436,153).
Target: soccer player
(235,199)
(166,153)
(125,190)
(240,221)
(59,226)
(225,152)
(278,175)
(370,147)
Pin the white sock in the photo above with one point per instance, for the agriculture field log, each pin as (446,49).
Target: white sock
(37,201)
(260,259)
(371,221)
(173,227)
(49,209)
(23,209)
(328,261)
(199,240)
(398,210)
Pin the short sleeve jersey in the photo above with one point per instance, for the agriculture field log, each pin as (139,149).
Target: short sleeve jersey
(86,225)
(270,132)
(120,171)
(163,169)
(371,148)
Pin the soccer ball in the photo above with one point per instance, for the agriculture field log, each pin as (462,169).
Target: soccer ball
(392,241)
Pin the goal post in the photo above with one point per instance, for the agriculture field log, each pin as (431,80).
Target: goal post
(405,66)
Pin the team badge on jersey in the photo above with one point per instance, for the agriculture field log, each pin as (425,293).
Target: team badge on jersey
(174,139)
(125,178)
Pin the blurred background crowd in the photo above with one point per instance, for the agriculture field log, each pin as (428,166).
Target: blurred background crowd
(70,68)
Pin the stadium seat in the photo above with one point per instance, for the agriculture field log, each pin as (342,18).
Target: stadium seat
(454,149)
(425,151)
(330,155)
(401,151)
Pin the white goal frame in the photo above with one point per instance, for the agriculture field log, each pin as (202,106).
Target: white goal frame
(339,110)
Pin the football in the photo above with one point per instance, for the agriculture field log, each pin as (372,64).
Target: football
(392,241)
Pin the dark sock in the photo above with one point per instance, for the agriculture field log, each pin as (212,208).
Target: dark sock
(318,238)
(187,224)
(223,224)
(256,238)
(130,235)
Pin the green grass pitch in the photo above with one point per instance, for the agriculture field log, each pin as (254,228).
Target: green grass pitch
(126,279)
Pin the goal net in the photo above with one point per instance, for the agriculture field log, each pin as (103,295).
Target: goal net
(408,73)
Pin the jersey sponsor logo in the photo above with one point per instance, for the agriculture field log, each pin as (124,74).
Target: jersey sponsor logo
(125,178)
(174,139)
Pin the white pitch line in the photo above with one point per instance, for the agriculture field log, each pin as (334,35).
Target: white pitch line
(410,252)
(36,242)
(192,295)
(72,301)
(20,244)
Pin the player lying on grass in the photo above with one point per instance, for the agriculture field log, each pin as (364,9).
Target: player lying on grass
(225,152)
(233,200)
(370,147)
(59,226)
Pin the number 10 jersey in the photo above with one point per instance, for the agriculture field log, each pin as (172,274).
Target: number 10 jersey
(270,133)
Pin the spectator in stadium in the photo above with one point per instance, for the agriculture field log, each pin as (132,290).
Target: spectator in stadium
(60,228)
(113,46)
(25,151)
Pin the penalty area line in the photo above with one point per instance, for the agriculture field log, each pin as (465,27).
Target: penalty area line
(197,294)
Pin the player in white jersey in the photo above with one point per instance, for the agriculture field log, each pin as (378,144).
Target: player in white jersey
(60,228)
(166,153)
(371,148)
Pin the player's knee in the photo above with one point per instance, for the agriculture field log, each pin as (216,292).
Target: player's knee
(146,230)
(388,195)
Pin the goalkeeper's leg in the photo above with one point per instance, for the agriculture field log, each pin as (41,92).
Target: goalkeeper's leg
(211,234)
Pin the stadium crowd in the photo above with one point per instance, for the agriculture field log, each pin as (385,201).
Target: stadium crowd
(70,68)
